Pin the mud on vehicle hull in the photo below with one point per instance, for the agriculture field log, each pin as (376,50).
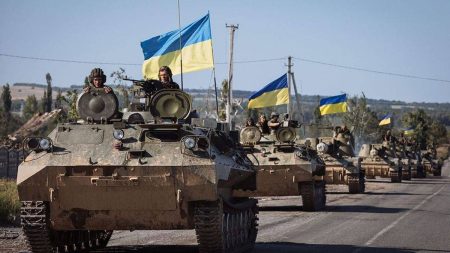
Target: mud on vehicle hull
(432,167)
(84,198)
(381,169)
(338,174)
(290,180)
(74,209)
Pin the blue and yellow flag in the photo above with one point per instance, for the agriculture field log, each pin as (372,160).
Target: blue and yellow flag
(386,120)
(334,104)
(164,50)
(275,93)
(409,131)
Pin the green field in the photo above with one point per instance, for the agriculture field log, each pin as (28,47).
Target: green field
(9,201)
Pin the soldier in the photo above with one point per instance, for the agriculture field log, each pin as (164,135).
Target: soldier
(250,122)
(262,124)
(388,137)
(348,135)
(97,79)
(274,123)
(165,77)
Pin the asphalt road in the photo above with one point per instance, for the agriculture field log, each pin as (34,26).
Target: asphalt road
(407,217)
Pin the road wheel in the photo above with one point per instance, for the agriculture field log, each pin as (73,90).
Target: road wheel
(313,195)
(406,175)
(224,229)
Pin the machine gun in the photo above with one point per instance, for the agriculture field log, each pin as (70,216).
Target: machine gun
(149,87)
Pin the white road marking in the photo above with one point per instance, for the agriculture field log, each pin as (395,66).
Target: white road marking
(393,224)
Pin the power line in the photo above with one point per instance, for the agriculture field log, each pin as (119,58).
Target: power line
(242,62)
(372,71)
(69,61)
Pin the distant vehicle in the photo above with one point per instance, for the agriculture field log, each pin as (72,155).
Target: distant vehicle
(284,168)
(381,160)
(342,167)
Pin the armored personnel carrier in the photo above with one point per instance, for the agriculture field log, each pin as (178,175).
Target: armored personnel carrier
(284,168)
(406,160)
(380,160)
(341,165)
(430,162)
(144,170)
(417,168)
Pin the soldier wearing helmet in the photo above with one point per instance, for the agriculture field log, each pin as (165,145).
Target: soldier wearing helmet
(274,122)
(97,80)
(165,77)
(388,137)
(262,124)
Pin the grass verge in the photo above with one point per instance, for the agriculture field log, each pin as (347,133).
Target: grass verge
(9,201)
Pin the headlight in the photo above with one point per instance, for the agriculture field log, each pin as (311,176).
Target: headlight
(33,143)
(189,143)
(44,144)
(118,134)
(373,152)
(322,147)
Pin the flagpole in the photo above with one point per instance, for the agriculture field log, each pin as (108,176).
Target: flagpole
(289,87)
(230,75)
(181,49)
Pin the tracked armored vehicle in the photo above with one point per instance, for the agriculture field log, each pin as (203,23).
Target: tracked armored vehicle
(380,160)
(406,160)
(417,168)
(148,169)
(284,168)
(430,162)
(341,165)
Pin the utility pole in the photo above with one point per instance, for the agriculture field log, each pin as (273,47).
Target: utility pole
(289,65)
(291,80)
(232,28)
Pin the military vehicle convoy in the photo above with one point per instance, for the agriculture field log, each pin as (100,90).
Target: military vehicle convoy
(284,168)
(341,165)
(144,170)
(381,160)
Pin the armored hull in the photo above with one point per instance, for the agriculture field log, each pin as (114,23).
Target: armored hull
(341,167)
(100,177)
(375,163)
(344,171)
(286,169)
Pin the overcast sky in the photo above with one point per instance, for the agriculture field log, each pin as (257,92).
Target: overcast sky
(402,37)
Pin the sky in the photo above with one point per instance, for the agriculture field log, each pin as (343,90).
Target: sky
(396,36)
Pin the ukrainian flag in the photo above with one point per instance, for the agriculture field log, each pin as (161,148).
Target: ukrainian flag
(409,131)
(334,104)
(275,93)
(164,50)
(386,120)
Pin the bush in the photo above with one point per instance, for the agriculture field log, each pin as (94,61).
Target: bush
(9,201)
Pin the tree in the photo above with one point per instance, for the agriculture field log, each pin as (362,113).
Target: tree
(30,107)
(420,122)
(223,101)
(6,98)
(72,98)
(48,104)
(59,100)
(118,77)
(362,121)
(86,82)
(43,103)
